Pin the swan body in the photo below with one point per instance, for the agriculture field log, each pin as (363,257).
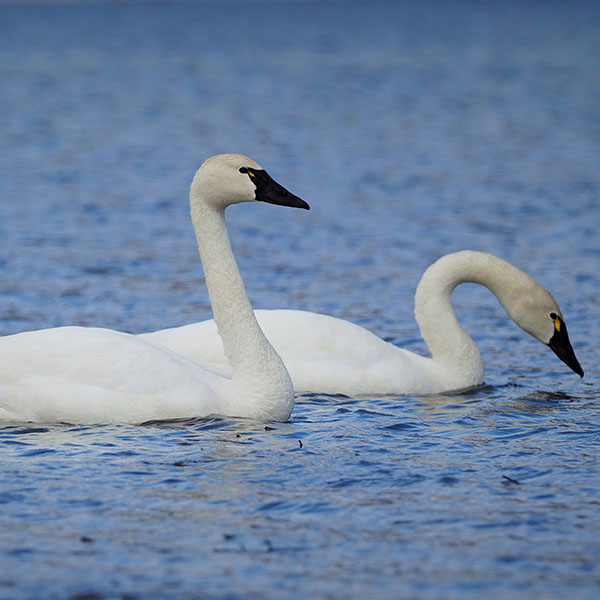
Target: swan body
(329,355)
(87,375)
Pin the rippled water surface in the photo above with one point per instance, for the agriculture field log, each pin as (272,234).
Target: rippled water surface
(413,130)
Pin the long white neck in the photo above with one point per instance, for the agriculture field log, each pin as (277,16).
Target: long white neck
(259,376)
(450,345)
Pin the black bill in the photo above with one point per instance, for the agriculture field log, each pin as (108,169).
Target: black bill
(561,346)
(268,190)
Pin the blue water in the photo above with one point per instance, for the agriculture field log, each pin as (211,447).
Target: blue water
(413,129)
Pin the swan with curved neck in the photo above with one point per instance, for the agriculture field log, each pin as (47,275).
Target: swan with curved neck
(87,375)
(329,355)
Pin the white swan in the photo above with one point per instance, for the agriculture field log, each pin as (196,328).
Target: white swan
(329,355)
(85,375)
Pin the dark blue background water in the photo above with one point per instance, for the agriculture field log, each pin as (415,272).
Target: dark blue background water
(413,130)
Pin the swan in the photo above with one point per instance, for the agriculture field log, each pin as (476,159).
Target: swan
(329,355)
(91,376)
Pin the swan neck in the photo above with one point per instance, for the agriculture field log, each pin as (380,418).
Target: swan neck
(446,339)
(257,370)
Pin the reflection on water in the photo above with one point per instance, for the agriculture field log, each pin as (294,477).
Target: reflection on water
(413,129)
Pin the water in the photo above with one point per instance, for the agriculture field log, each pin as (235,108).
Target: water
(413,130)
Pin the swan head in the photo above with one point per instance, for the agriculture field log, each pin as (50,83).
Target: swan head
(539,315)
(227,179)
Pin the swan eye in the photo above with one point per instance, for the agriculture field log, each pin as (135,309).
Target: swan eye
(553,316)
(246,170)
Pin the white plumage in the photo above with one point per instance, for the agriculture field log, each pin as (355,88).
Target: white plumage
(86,375)
(329,355)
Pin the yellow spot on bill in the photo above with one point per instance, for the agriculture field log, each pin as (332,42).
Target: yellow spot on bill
(557,324)
(251,174)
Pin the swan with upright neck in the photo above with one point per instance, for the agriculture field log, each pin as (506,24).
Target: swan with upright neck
(329,355)
(87,375)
